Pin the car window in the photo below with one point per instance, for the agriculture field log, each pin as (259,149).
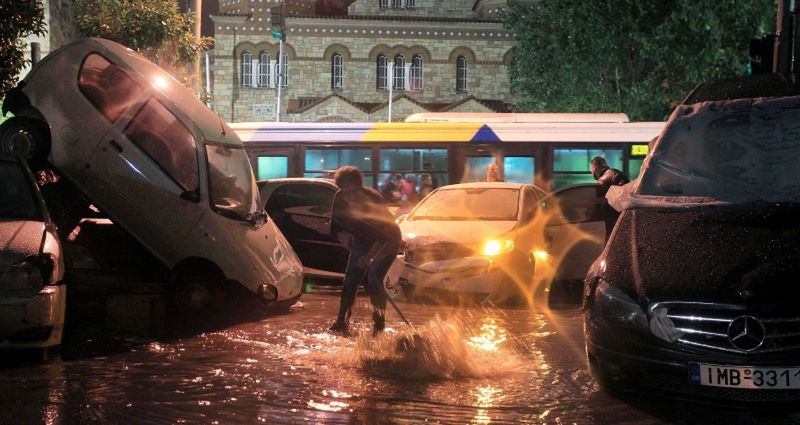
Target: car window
(16,191)
(164,139)
(576,205)
(469,204)
(109,88)
(301,198)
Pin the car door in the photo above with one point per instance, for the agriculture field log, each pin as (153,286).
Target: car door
(148,166)
(302,212)
(575,229)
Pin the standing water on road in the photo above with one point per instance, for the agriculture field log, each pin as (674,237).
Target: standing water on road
(474,366)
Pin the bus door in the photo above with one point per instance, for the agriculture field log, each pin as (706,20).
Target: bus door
(514,164)
(273,162)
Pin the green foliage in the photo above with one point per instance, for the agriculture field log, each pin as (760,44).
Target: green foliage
(154,28)
(20,18)
(635,56)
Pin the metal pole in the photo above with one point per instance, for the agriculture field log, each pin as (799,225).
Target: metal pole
(390,70)
(208,81)
(782,60)
(198,18)
(280,81)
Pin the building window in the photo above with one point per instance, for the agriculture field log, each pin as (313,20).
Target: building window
(383,73)
(399,72)
(461,74)
(282,68)
(246,79)
(383,3)
(410,3)
(397,4)
(416,72)
(337,72)
(263,69)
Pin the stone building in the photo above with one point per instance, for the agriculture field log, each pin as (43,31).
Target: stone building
(59,30)
(341,58)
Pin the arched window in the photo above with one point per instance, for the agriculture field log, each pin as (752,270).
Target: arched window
(399,72)
(397,3)
(383,73)
(383,3)
(263,69)
(410,3)
(246,77)
(337,72)
(416,72)
(461,74)
(283,70)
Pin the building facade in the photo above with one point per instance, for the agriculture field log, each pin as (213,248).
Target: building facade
(342,59)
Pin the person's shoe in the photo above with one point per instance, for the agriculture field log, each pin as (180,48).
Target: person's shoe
(339,326)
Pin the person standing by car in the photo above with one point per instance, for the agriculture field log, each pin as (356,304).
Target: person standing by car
(359,218)
(607,177)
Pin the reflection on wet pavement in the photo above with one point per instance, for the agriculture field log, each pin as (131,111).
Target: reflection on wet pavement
(479,366)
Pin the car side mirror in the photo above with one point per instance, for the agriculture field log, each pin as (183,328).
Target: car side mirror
(400,218)
(190,196)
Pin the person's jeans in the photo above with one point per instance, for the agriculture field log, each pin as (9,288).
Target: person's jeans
(355,274)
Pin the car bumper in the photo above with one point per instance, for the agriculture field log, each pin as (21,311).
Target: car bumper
(626,359)
(471,274)
(32,320)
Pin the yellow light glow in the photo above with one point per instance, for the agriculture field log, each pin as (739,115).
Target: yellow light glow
(411,235)
(160,82)
(541,254)
(495,247)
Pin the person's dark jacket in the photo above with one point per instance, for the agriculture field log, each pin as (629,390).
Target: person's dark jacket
(362,213)
(611,177)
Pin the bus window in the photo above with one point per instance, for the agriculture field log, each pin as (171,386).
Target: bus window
(412,164)
(572,166)
(272,167)
(634,164)
(519,169)
(476,168)
(324,162)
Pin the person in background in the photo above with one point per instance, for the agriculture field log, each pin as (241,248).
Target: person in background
(409,189)
(428,168)
(360,220)
(605,175)
(425,185)
(492,173)
(391,188)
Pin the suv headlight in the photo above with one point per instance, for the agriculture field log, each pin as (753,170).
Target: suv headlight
(32,272)
(495,247)
(615,305)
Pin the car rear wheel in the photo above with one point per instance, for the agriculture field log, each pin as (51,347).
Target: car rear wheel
(25,137)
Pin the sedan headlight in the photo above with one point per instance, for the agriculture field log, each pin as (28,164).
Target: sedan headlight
(495,247)
(32,272)
(615,305)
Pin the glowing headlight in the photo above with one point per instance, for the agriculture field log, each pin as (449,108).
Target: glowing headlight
(541,255)
(495,247)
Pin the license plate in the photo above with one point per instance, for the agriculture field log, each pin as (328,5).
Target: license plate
(770,378)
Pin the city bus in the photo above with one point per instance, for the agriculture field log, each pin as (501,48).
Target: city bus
(549,150)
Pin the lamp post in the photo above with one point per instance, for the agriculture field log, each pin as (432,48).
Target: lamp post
(278,33)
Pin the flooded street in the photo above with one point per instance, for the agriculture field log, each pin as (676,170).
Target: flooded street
(475,365)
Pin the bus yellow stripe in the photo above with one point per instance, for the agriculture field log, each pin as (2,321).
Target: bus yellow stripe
(421,132)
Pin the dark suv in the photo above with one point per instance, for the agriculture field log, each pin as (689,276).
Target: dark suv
(696,291)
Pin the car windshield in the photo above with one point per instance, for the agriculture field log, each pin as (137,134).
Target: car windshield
(734,151)
(18,199)
(471,204)
(232,188)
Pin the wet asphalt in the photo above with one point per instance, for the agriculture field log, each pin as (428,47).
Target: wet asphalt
(471,365)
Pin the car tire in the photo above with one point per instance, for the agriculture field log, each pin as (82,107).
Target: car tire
(196,292)
(27,138)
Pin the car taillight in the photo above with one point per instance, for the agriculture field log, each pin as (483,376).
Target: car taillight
(32,272)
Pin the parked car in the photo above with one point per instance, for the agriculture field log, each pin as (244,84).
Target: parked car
(472,238)
(32,291)
(301,208)
(696,291)
(145,151)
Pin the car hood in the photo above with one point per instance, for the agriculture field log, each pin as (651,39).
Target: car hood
(463,232)
(18,240)
(745,255)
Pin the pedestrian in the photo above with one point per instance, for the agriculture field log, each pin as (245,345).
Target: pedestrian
(607,176)
(361,221)
(428,168)
(391,189)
